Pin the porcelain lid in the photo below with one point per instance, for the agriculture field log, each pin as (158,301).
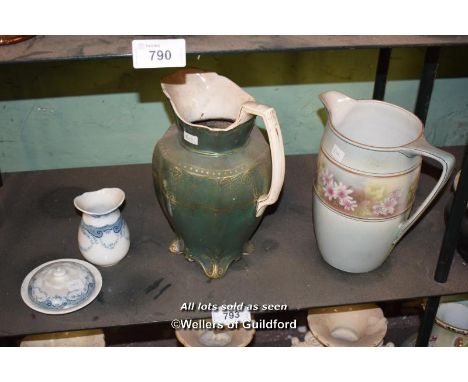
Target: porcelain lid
(61,286)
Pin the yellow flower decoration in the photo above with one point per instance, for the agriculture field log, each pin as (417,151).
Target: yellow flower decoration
(375,189)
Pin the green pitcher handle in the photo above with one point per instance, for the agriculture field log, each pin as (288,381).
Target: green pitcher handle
(268,115)
(421,147)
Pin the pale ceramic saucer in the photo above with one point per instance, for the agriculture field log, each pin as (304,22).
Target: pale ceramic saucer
(215,338)
(353,325)
(61,286)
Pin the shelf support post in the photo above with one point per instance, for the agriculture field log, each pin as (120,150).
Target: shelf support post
(426,84)
(427,322)
(452,230)
(447,251)
(381,73)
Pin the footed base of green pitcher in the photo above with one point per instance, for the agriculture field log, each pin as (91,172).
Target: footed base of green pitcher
(214,263)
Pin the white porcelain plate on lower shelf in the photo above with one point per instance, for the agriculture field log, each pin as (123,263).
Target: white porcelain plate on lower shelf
(61,286)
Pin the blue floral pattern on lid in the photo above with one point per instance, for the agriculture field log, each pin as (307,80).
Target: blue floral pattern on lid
(61,286)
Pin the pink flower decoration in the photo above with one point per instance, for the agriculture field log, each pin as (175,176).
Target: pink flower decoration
(326,177)
(379,209)
(342,191)
(330,191)
(389,204)
(395,194)
(348,203)
(386,207)
(336,190)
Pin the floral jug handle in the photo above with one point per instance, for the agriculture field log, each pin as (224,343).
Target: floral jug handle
(268,115)
(447,161)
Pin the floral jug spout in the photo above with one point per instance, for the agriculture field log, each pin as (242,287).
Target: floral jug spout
(337,104)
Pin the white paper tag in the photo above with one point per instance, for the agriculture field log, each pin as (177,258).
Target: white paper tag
(230,317)
(193,139)
(337,153)
(168,53)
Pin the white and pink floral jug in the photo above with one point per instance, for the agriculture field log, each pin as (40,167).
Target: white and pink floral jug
(367,173)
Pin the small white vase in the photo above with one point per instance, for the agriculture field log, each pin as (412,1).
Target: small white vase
(103,235)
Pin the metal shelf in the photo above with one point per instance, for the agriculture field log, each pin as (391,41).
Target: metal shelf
(39,223)
(46,48)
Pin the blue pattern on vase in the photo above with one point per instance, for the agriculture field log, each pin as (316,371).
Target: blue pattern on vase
(98,232)
(96,235)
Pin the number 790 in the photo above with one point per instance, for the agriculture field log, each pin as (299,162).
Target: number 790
(160,54)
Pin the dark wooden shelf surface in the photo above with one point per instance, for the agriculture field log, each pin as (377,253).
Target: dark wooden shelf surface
(43,48)
(38,223)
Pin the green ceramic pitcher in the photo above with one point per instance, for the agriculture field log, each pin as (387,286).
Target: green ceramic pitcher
(214,172)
